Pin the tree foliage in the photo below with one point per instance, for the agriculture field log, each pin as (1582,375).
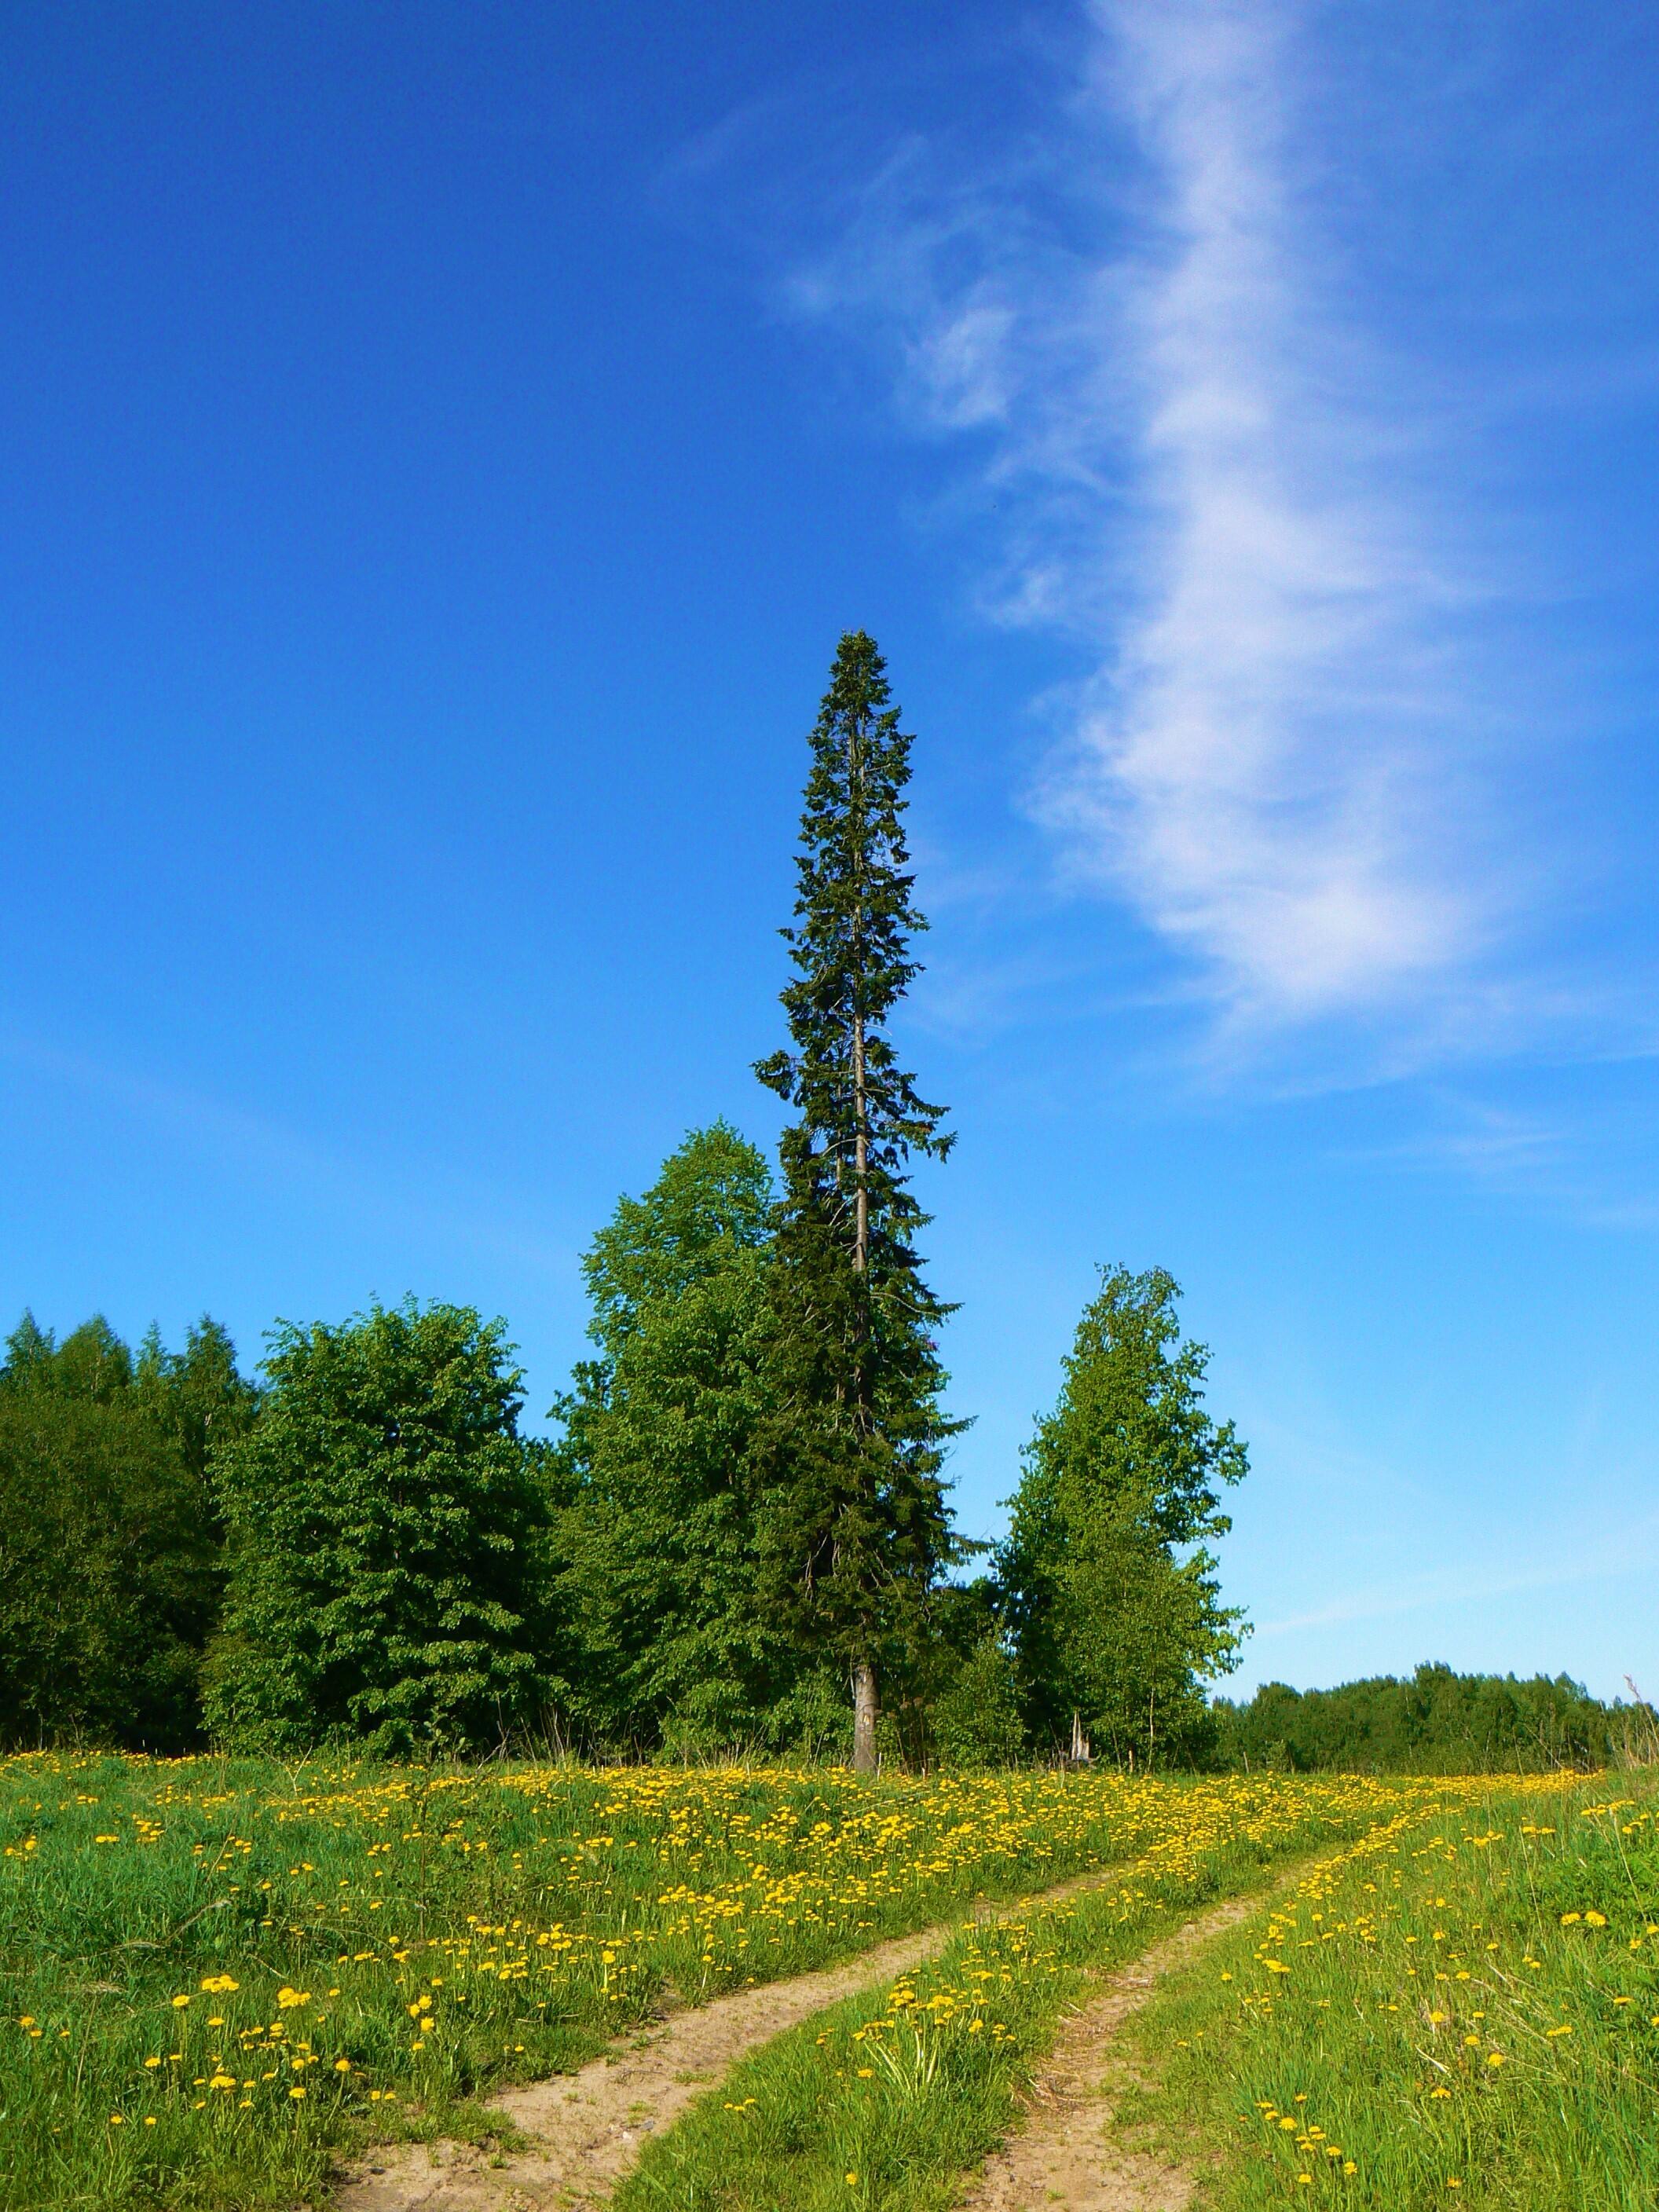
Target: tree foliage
(196,1394)
(382,1518)
(109,1573)
(1112,1587)
(710,1207)
(657,1525)
(856,1528)
(971,1707)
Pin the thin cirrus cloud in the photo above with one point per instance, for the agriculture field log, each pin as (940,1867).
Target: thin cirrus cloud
(1633,1553)
(1281,759)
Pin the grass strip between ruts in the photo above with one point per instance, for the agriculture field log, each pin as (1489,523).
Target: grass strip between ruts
(1465,2015)
(882,2103)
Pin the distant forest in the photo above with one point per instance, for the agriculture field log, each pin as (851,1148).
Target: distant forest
(1434,1722)
(741,1536)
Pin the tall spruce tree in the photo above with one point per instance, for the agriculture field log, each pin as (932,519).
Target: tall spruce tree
(854,1528)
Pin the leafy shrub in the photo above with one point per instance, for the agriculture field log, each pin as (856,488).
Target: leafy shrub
(976,1722)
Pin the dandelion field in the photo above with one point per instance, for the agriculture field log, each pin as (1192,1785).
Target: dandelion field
(219,1975)
(215,1973)
(885,2103)
(1464,2013)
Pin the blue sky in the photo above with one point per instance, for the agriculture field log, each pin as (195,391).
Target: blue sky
(442,448)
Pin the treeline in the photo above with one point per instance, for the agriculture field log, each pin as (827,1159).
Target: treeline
(742,1535)
(364,1547)
(1434,1722)
(111,1555)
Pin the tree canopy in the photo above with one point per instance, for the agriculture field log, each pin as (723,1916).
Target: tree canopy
(382,1517)
(1112,1587)
(109,1551)
(656,1476)
(1431,1722)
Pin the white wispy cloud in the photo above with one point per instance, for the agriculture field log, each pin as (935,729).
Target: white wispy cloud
(1262,762)
(1204,473)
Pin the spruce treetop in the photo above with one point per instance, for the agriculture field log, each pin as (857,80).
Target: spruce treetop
(854,915)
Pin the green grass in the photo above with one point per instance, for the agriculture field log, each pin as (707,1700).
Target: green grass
(184,1945)
(884,2103)
(1467,2017)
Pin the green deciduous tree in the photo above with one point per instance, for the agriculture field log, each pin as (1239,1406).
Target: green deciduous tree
(656,1525)
(973,1714)
(710,1207)
(856,1526)
(383,1521)
(1112,1586)
(109,1554)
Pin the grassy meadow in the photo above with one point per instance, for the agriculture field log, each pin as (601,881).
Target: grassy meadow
(1466,2015)
(885,2104)
(215,1971)
(219,1974)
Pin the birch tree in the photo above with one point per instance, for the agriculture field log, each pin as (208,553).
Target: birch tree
(1110,1580)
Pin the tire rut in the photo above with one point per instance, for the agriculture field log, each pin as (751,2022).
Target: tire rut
(1063,2154)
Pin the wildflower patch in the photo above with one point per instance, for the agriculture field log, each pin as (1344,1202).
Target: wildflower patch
(1467,2008)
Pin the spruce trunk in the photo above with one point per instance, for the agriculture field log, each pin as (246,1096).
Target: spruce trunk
(864,1718)
(860,1156)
